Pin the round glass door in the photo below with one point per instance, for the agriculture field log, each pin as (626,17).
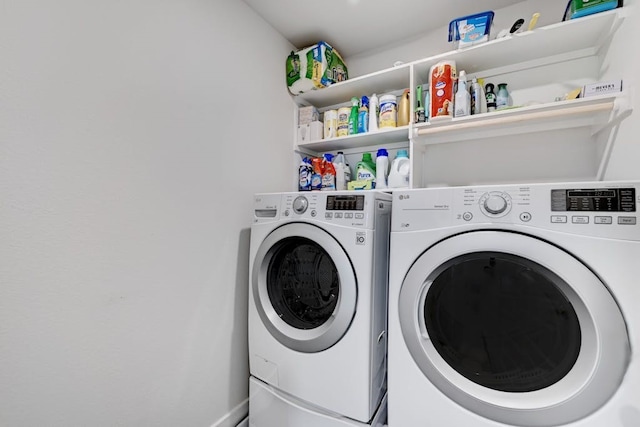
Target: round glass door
(513,328)
(502,322)
(304,287)
(303,283)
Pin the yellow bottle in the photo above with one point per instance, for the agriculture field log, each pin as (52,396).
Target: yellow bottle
(404,109)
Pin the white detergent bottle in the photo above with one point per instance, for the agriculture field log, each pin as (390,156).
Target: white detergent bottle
(339,164)
(382,168)
(462,104)
(400,169)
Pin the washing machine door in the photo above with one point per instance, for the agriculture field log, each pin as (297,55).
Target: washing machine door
(304,287)
(513,328)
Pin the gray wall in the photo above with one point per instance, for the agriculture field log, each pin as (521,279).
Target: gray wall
(133,135)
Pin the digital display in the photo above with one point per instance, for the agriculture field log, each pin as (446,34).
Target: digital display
(345,203)
(594,200)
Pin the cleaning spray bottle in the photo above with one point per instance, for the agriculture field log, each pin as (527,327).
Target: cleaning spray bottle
(328,173)
(363,115)
(353,117)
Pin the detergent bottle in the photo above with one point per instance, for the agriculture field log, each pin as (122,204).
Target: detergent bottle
(382,168)
(339,164)
(366,169)
(400,168)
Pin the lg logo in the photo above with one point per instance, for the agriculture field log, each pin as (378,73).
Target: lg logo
(403,197)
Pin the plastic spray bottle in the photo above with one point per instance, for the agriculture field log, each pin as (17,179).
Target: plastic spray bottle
(363,115)
(353,117)
(328,174)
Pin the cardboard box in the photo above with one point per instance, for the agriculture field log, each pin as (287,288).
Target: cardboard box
(601,88)
(307,115)
(310,132)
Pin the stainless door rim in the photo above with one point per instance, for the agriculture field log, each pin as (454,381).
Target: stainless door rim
(331,331)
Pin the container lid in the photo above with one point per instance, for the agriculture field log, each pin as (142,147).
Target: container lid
(364,101)
(328,157)
(366,157)
(402,153)
(382,152)
(388,98)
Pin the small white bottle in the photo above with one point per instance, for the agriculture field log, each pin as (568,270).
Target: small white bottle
(382,168)
(463,98)
(478,98)
(373,113)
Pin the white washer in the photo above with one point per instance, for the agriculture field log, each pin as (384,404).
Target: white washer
(515,305)
(318,297)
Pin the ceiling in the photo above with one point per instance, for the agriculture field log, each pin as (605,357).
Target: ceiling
(358,26)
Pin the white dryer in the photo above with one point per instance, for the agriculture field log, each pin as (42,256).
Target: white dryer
(318,298)
(515,305)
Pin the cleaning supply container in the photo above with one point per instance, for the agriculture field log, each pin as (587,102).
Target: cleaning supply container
(366,169)
(388,111)
(382,168)
(400,169)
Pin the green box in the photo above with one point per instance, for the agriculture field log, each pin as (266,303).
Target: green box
(581,8)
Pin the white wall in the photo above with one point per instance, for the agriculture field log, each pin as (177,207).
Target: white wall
(132,137)
(622,62)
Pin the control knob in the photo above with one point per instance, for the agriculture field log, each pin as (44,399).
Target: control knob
(300,205)
(495,203)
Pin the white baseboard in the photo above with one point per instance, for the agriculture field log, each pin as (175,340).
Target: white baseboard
(237,417)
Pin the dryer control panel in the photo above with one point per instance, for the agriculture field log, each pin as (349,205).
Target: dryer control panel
(599,209)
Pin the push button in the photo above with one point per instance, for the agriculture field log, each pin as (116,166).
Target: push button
(525,217)
(359,216)
(558,219)
(348,216)
(603,220)
(627,220)
(338,215)
(580,219)
(328,215)
(467,216)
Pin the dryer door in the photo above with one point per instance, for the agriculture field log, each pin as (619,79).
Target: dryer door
(304,287)
(513,328)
